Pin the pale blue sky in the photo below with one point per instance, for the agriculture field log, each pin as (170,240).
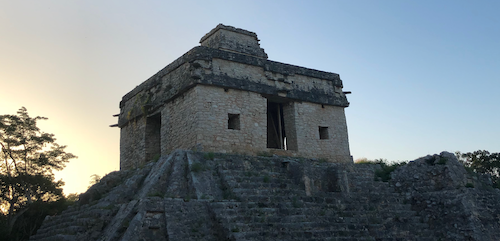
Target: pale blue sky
(424,75)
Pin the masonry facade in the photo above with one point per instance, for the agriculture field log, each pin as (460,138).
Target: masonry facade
(226,96)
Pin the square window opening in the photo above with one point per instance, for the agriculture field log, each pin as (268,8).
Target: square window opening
(233,121)
(323,132)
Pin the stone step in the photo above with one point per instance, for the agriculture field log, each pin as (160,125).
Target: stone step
(83,222)
(303,226)
(57,237)
(68,230)
(290,208)
(246,192)
(73,221)
(263,185)
(79,219)
(254,168)
(297,205)
(328,217)
(277,234)
(234,178)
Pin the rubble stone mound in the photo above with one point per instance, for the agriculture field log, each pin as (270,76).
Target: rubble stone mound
(205,196)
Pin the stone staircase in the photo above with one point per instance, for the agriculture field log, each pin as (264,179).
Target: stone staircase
(189,220)
(74,220)
(195,196)
(95,210)
(269,205)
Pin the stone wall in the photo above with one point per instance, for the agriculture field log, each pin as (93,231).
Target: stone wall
(180,123)
(132,144)
(290,116)
(309,118)
(198,119)
(203,65)
(233,39)
(214,105)
(456,204)
(284,83)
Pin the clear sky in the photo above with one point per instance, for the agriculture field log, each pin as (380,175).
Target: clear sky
(424,75)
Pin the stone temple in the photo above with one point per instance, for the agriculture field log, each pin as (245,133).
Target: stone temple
(226,96)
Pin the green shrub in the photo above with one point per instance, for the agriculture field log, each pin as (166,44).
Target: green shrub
(197,167)
(155,194)
(442,161)
(363,160)
(265,154)
(266,179)
(384,173)
(469,185)
(483,162)
(209,156)
(109,207)
(227,194)
(430,161)
(296,203)
(156,157)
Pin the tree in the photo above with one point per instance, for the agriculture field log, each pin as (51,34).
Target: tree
(94,179)
(28,158)
(482,161)
(72,197)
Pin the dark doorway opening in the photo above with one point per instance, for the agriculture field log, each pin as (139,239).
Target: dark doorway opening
(153,137)
(276,135)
